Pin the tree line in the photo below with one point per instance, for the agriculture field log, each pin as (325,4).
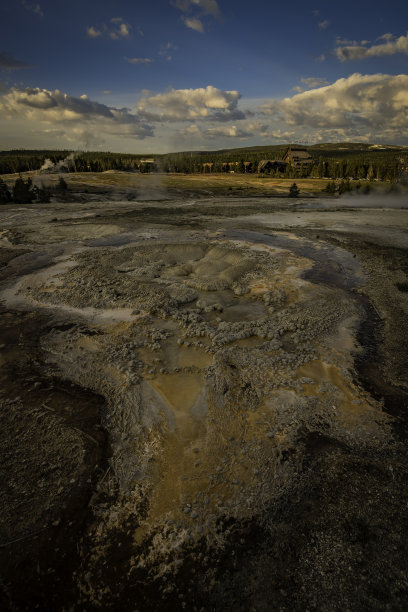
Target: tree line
(24,192)
(364,164)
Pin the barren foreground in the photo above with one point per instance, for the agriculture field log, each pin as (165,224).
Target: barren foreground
(204,405)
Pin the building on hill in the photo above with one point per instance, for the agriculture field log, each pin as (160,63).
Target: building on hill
(266,165)
(298,158)
(147,163)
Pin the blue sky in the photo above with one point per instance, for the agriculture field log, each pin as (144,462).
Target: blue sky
(201,74)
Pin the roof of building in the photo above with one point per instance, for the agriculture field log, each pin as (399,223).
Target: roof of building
(298,153)
(264,162)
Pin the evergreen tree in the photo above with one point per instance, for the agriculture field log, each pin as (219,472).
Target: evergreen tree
(294,191)
(344,186)
(41,194)
(330,188)
(62,184)
(5,195)
(22,192)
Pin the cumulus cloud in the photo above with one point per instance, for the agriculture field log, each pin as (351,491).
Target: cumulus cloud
(139,60)
(93,32)
(355,51)
(249,129)
(230,131)
(194,23)
(195,10)
(360,107)
(387,36)
(182,104)
(348,107)
(116,29)
(122,30)
(58,110)
(310,83)
(8,62)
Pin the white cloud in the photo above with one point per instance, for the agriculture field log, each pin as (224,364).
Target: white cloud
(310,83)
(349,107)
(93,32)
(107,92)
(183,104)
(313,82)
(75,116)
(356,51)
(139,60)
(283,136)
(230,131)
(387,36)
(322,25)
(116,29)
(246,129)
(360,107)
(194,23)
(122,30)
(320,58)
(195,10)
(206,7)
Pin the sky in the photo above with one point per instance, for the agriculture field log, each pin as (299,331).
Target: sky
(181,75)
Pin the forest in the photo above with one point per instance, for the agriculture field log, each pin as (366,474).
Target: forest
(335,161)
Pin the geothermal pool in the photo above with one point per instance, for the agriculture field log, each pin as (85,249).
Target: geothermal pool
(186,414)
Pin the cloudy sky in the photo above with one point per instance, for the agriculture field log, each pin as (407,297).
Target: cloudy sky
(168,75)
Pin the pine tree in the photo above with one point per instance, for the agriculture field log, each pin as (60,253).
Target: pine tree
(22,192)
(5,195)
(294,191)
(330,188)
(41,194)
(344,186)
(62,184)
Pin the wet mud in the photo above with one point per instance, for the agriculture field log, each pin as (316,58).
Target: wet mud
(200,419)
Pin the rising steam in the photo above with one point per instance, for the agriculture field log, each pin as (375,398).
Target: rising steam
(64,165)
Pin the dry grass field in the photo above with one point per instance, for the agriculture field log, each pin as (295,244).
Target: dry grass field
(205,184)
